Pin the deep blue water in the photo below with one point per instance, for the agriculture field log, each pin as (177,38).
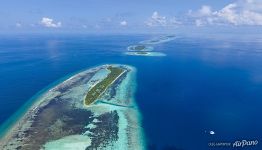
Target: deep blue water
(201,85)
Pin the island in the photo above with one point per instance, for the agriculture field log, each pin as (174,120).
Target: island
(93,109)
(100,87)
(145,48)
(145,54)
(140,48)
(159,40)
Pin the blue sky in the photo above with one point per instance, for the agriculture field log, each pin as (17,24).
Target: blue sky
(128,15)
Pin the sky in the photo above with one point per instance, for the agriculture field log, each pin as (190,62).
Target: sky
(130,16)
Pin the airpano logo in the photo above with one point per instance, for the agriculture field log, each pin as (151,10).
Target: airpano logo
(245,143)
(235,144)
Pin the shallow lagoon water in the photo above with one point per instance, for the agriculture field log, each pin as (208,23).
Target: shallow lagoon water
(200,86)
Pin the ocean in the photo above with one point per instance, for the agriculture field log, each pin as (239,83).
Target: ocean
(204,92)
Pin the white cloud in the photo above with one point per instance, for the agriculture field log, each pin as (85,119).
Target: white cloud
(243,12)
(198,22)
(48,22)
(205,10)
(123,23)
(157,20)
(173,21)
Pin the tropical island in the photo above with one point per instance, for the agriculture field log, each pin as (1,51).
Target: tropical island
(100,87)
(140,48)
(145,48)
(159,40)
(93,109)
(145,53)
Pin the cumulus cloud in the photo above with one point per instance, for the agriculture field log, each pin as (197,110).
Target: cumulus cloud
(205,11)
(157,20)
(243,12)
(123,23)
(48,22)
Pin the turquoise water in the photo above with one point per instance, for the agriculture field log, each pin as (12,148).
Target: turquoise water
(6,125)
(201,85)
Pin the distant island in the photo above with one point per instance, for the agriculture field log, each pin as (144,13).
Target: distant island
(140,48)
(94,109)
(145,48)
(159,40)
(145,53)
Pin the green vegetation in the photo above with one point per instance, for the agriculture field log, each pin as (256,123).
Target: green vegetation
(100,87)
(139,47)
(153,41)
(170,36)
(141,52)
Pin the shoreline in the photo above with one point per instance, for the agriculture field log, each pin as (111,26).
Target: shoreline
(32,104)
(8,124)
(105,88)
(148,54)
(19,121)
(147,48)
